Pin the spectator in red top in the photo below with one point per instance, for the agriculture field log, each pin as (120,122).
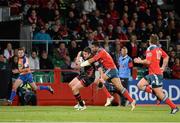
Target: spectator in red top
(107,20)
(32,19)
(119,34)
(125,19)
(132,47)
(15,6)
(176,69)
(142,6)
(114,14)
(100,33)
(84,19)
(110,32)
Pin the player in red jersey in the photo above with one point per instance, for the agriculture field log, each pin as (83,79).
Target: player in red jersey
(155,76)
(111,72)
(86,78)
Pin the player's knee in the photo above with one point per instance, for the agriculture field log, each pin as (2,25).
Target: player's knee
(35,88)
(14,88)
(74,89)
(140,86)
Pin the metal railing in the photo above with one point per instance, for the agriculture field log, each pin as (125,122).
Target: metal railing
(28,44)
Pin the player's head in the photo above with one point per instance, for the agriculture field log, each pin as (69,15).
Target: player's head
(86,53)
(153,39)
(124,51)
(20,52)
(95,47)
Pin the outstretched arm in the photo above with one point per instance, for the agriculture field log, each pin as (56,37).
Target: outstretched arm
(87,62)
(141,61)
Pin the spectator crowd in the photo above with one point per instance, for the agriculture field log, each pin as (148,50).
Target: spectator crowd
(114,23)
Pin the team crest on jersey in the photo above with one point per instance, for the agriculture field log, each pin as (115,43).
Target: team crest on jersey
(149,54)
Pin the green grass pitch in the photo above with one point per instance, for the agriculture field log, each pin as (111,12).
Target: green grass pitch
(91,114)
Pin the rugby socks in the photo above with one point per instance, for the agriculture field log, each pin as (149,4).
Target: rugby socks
(13,94)
(125,93)
(41,87)
(147,89)
(106,92)
(78,98)
(169,102)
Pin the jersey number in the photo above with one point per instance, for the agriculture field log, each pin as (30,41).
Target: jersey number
(158,54)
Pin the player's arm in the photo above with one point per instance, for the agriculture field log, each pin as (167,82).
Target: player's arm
(87,62)
(23,70)
(91,60)
(141,61)
(165,60)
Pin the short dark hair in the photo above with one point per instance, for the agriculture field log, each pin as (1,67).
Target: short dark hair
(96,44)
(20,49)
(154,39)
(87,49)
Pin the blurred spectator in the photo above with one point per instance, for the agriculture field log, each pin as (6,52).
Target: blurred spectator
(45,61)
(107,20)
(110,32)
(47,12)
(116,51)
(34,61)
(72,7)
(172,57)
(176,69)
(120,35)
(178,39)
(95,20)
(142,49)
(149,30)
(43,37)
(61,53)
(15,6)
(132,47)
(2,60)
(122,25)
(55,34)
(14,67)
(73,49)
(171,30)
(114,14)
(88,41)
(141,32)
(9,52)
(107,45)
(32,19)
(72,22)
(89,6)
(100,33)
